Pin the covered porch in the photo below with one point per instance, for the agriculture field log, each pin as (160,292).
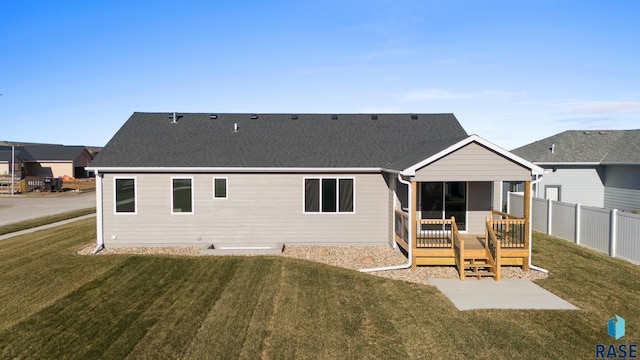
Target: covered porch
(445,210)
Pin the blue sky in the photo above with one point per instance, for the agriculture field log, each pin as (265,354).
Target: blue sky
(512,72)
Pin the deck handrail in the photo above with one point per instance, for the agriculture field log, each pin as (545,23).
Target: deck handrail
(493,247)
(401,220)
(504,215)
(458,243)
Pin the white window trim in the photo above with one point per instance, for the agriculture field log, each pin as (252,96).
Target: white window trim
(193,204)
(337,178)
(226,185)
(135,195)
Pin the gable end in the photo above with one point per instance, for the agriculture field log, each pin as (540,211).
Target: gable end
(473,162)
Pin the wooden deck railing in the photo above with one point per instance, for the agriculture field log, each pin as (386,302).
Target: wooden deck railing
(493,246)
(458,248)
(510,230)
(401,219)
(510,233)
(434,233)
(503,215)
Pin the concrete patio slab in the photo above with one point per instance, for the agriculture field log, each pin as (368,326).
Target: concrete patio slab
(505,294)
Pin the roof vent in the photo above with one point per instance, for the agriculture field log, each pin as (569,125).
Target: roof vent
(374,117)
(213,116)
(235,127)
(294,117)
(553,148)
(414,117)
(173,117)
(602,132)
(334,117)
(254,116)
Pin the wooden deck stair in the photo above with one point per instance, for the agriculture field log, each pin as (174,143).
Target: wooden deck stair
(478,266)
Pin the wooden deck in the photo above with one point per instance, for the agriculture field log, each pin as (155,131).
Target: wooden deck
(474,245)
(438,242)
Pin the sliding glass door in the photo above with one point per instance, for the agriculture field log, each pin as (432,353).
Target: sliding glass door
(442,200)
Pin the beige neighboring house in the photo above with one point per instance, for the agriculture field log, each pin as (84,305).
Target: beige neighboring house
(417,181)
(57,160)
(5,161)
(45,160)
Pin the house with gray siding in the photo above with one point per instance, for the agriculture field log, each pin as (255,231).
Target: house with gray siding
(202,179)
(599,168)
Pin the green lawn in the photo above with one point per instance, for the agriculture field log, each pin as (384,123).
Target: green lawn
(55,304)
(28,224)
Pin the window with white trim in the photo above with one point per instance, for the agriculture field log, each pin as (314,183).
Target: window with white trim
(220,188)
(329,195)
(181,195)
(125,195)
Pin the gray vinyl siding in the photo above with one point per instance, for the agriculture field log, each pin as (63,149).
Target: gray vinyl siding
(622,187)
(496,195)
(260,208)
(473,163)
(578,184)
(390,182)
(478,206)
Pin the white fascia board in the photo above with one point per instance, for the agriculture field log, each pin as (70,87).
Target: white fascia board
(535,169)
(568,163)
(231,170)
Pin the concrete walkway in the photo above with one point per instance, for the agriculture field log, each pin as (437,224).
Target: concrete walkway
(505,294)
(48,226)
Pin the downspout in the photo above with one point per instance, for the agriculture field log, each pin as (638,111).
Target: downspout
(395,203)
(99,231)
(531,266)
(410,232)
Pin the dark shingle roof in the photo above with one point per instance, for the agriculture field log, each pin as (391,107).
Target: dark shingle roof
(53,152)
(277,140)
(19,151)
(5,155)
(585,146)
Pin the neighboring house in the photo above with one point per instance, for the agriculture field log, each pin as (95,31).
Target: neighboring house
(197,179)
(48,160)
(594,168)
(5,161)
(6,154)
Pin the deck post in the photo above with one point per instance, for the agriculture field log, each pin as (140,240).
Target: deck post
(413,222)
(527,221)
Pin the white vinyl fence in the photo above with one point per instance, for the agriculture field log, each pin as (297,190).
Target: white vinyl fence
(606,230)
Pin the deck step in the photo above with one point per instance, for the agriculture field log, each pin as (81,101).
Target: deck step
(483,273)
(477,265)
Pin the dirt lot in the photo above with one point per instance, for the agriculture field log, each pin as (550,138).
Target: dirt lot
(23,207)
